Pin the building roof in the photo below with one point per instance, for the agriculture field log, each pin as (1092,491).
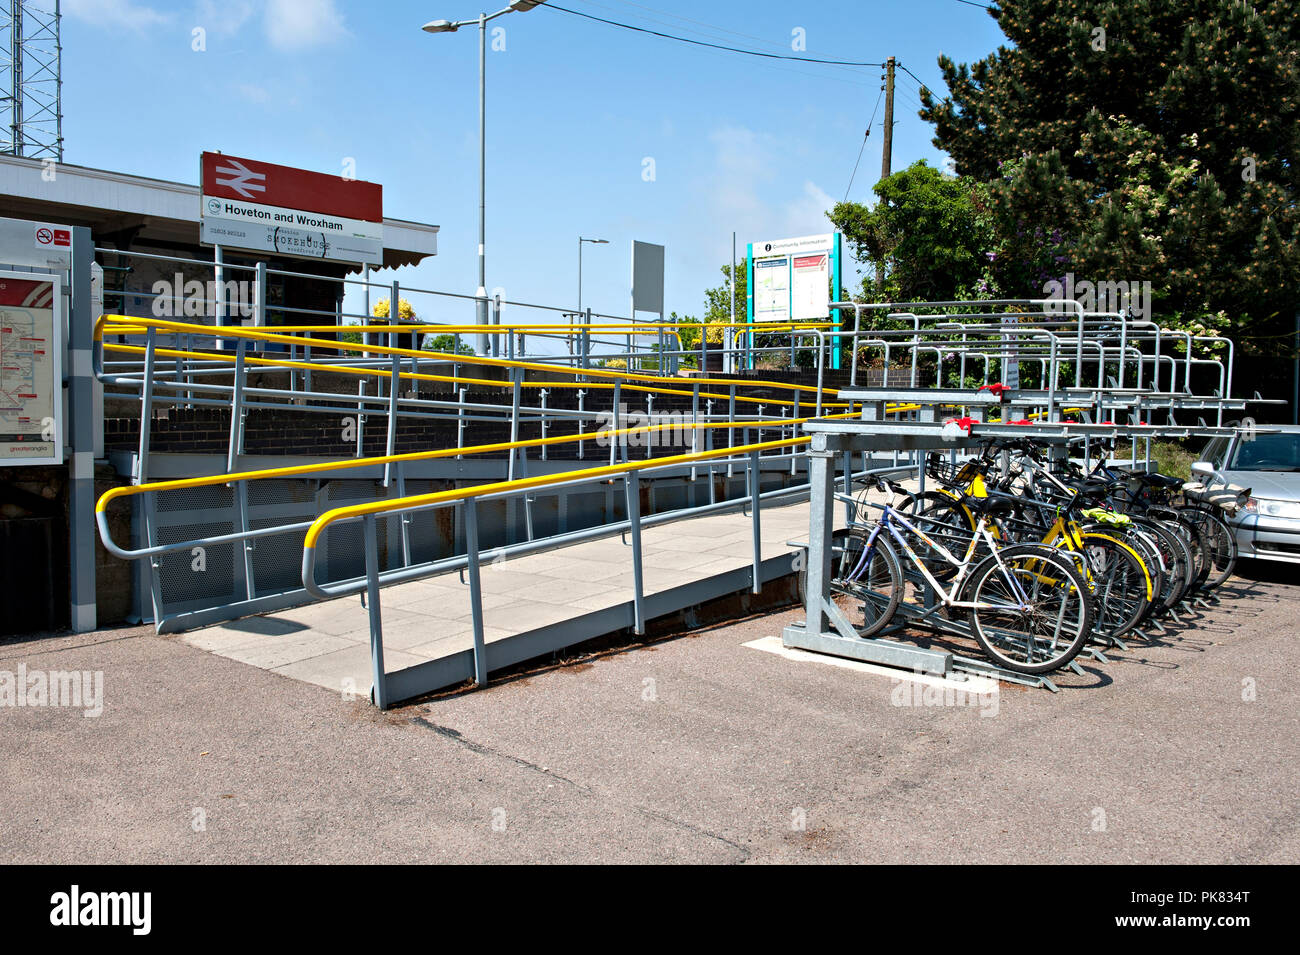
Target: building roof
(115,203)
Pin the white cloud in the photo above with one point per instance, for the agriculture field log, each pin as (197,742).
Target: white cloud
(115,14)
(224,17)
(747,192)
(806,215)
(299,24)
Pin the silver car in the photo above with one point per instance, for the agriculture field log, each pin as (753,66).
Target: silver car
(1267,462)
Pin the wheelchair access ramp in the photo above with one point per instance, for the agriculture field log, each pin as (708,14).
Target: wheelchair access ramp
(532,605)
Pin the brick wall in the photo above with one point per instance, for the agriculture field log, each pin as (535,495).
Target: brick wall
(284,430)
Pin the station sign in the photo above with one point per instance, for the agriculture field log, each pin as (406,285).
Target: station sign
(268,208)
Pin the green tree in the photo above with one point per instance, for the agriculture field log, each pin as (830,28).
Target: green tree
(444,344)
(927,236)
(717,301)
(717,306)
(1131,140)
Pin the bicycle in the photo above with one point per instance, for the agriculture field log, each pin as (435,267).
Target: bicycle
(1029,608)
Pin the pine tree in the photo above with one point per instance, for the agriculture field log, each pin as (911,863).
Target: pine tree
(1139,140)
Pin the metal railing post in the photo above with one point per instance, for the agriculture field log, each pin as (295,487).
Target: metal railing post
(695,429)
(361,421)
(246,546)
(146,409)
(755,483)
(395,372)
(585,341)
(857,327)
(379,689)
(794,433)
(582,421)
(517,374)
(259,311)
(475,591)
(821,482)
(708,446)
(528,497)
(848,485)
(615,439)
(731,432)
(460,424)
(649,436)
(543,395)
(821,340)
(632,488)
(404,519)
(496,324)
(236,442)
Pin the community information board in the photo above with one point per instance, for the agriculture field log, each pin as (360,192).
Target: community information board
(31,376)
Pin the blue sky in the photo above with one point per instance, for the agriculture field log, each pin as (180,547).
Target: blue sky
(575,108)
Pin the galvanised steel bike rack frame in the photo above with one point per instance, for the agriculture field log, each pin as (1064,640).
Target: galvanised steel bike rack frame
(825,628)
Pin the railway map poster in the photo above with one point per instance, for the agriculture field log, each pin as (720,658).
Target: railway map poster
(31,374)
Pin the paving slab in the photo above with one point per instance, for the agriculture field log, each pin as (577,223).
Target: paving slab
(327,643)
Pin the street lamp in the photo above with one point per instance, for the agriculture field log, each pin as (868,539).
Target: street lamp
(581,313)
(451,26)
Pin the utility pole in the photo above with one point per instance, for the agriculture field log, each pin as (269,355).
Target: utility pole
(888,146)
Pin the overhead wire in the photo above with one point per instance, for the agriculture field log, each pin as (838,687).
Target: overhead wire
(871,122)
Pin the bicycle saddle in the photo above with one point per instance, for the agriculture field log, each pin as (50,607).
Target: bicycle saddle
(1094,489)
(995,503)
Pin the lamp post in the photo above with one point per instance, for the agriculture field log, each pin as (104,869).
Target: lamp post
(581,313)
(451,26)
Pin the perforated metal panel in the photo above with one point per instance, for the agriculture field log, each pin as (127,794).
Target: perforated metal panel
(220,591)
(277,560)
(202,576)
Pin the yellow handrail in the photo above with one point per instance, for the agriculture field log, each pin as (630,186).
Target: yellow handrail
(288,363)
(457,494)
(407,328)
(256,334)
(294,470)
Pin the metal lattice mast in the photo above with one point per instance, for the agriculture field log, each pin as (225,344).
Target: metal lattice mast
(31,92)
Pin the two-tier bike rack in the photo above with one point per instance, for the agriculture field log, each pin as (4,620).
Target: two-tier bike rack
(827,629)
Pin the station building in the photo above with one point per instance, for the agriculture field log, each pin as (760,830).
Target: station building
(137,225)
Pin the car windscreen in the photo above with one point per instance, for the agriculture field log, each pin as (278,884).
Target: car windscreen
(1268,452)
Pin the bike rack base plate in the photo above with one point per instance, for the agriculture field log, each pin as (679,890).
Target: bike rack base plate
(899,655)
(886,652)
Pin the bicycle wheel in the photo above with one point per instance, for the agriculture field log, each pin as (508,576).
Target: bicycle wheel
(1032,611)
(1148,550)
(872,583)
(1220,541)
(1121,585)
(1177,558)
(1196,543)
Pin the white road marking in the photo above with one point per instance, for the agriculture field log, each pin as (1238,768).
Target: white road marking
(971,684)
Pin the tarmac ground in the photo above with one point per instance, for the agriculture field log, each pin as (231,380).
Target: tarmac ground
(706,746)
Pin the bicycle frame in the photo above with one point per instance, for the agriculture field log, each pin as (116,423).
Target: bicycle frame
(889,517)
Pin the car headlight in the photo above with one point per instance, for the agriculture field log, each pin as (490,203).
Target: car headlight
(1267,508)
